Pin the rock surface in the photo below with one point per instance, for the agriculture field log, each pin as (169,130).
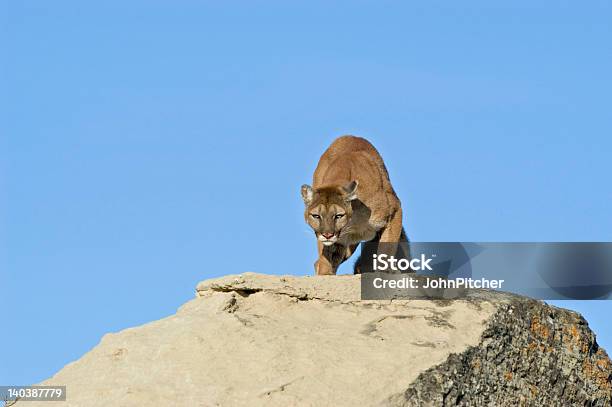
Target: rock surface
(255,339)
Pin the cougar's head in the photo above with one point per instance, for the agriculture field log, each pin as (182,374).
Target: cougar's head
(328,210)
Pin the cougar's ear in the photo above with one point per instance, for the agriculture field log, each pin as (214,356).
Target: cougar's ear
(350,190)
(307,194)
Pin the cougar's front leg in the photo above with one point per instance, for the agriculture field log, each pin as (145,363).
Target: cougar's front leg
(323,266)
(330,258)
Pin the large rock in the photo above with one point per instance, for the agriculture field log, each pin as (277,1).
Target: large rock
(254,339)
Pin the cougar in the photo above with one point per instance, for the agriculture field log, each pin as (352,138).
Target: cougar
(351,200)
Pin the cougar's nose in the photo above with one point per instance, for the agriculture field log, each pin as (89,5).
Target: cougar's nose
(327,235)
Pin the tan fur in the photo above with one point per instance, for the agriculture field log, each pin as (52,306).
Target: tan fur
(352,198)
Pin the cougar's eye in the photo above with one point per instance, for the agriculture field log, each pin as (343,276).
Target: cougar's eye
(314,215)
(338,215)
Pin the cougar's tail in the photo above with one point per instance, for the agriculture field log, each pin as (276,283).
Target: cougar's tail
(403,249)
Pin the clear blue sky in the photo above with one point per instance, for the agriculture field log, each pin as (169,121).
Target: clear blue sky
(148,145)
